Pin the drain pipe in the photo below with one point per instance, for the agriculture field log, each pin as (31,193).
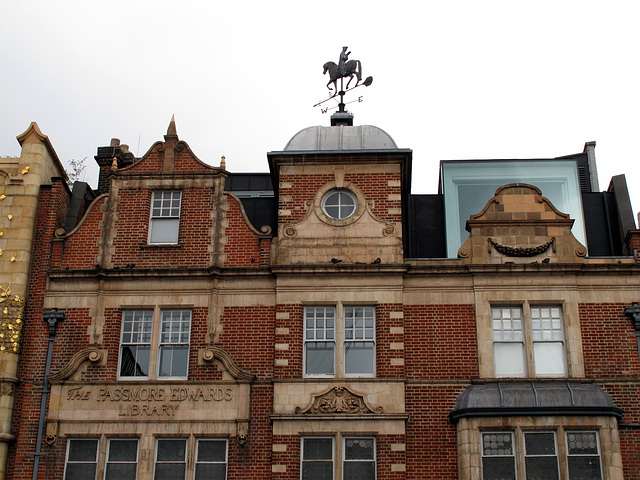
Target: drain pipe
(52,318)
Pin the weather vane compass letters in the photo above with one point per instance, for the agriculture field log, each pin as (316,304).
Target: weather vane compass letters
(345,68)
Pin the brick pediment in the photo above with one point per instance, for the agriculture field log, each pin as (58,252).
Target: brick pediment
(520,225)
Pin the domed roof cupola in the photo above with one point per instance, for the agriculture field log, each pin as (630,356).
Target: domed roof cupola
(327,139)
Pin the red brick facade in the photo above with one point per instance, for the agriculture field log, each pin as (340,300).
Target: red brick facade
(429,337)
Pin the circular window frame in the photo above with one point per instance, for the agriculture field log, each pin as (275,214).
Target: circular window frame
(351,190)
(339,191)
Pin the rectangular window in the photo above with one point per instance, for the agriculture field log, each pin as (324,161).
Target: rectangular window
(211,460)
(165,217)
(498,458)
(583,456)
(358,455)
(151,349)
(359,459)
(508,338)
(135,344)
(122,460)
(538,330)
(540,458)
(339,340)
(174,343)
(359,340)
(171,459)
(317,458)
(319,336)
(547,331)
(82,457)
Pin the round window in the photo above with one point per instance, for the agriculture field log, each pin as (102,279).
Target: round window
(339,204)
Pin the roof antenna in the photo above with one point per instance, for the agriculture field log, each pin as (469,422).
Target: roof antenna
(138,149)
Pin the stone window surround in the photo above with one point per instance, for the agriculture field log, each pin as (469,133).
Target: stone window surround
(145,458)
(163,216)
(528,342)
(514,295)
(335,185)
(338,450)
(154,353)
(470,430)
(339,352)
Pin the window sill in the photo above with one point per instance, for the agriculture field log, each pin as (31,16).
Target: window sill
(161,245)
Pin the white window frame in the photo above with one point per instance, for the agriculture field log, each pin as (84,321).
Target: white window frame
(179,338)
(346,460)
(108,461)
(339,341)
(302,454)
(139,327)
(534,335)
(94,462)
(156,345)
(338,453)
(570,455)
(226,456)
(340,192)
(163,212)
(528,455)
(185,458)
(512,455)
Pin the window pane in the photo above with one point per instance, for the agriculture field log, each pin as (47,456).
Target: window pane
(498,461)
(211,471)
(359,449)
(170,471)
(582,443)
(212,451)
(81,460)
(583,456)
(164,230)
(509,359)
(173,361)
(549,358)
(540,443)
(359,471)
(358,357)
(541,468)
(498,468)
(123,450)
(170,459)
(319,358)
(317,471)
(584,468)
(541,462)
(80,471)
(83,450)
(121,471)
(317,459)
(318,449)
(171,450)
(134,361)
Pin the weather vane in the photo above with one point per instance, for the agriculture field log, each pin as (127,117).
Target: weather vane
(343,69)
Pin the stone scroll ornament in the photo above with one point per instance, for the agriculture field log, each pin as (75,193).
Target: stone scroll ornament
(521,251)
(338,400)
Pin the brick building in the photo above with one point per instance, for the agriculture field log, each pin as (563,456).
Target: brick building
(321,322)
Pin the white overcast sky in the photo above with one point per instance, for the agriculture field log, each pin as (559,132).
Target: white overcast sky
(452,79)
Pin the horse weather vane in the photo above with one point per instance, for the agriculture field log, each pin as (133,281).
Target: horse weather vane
(345,68)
